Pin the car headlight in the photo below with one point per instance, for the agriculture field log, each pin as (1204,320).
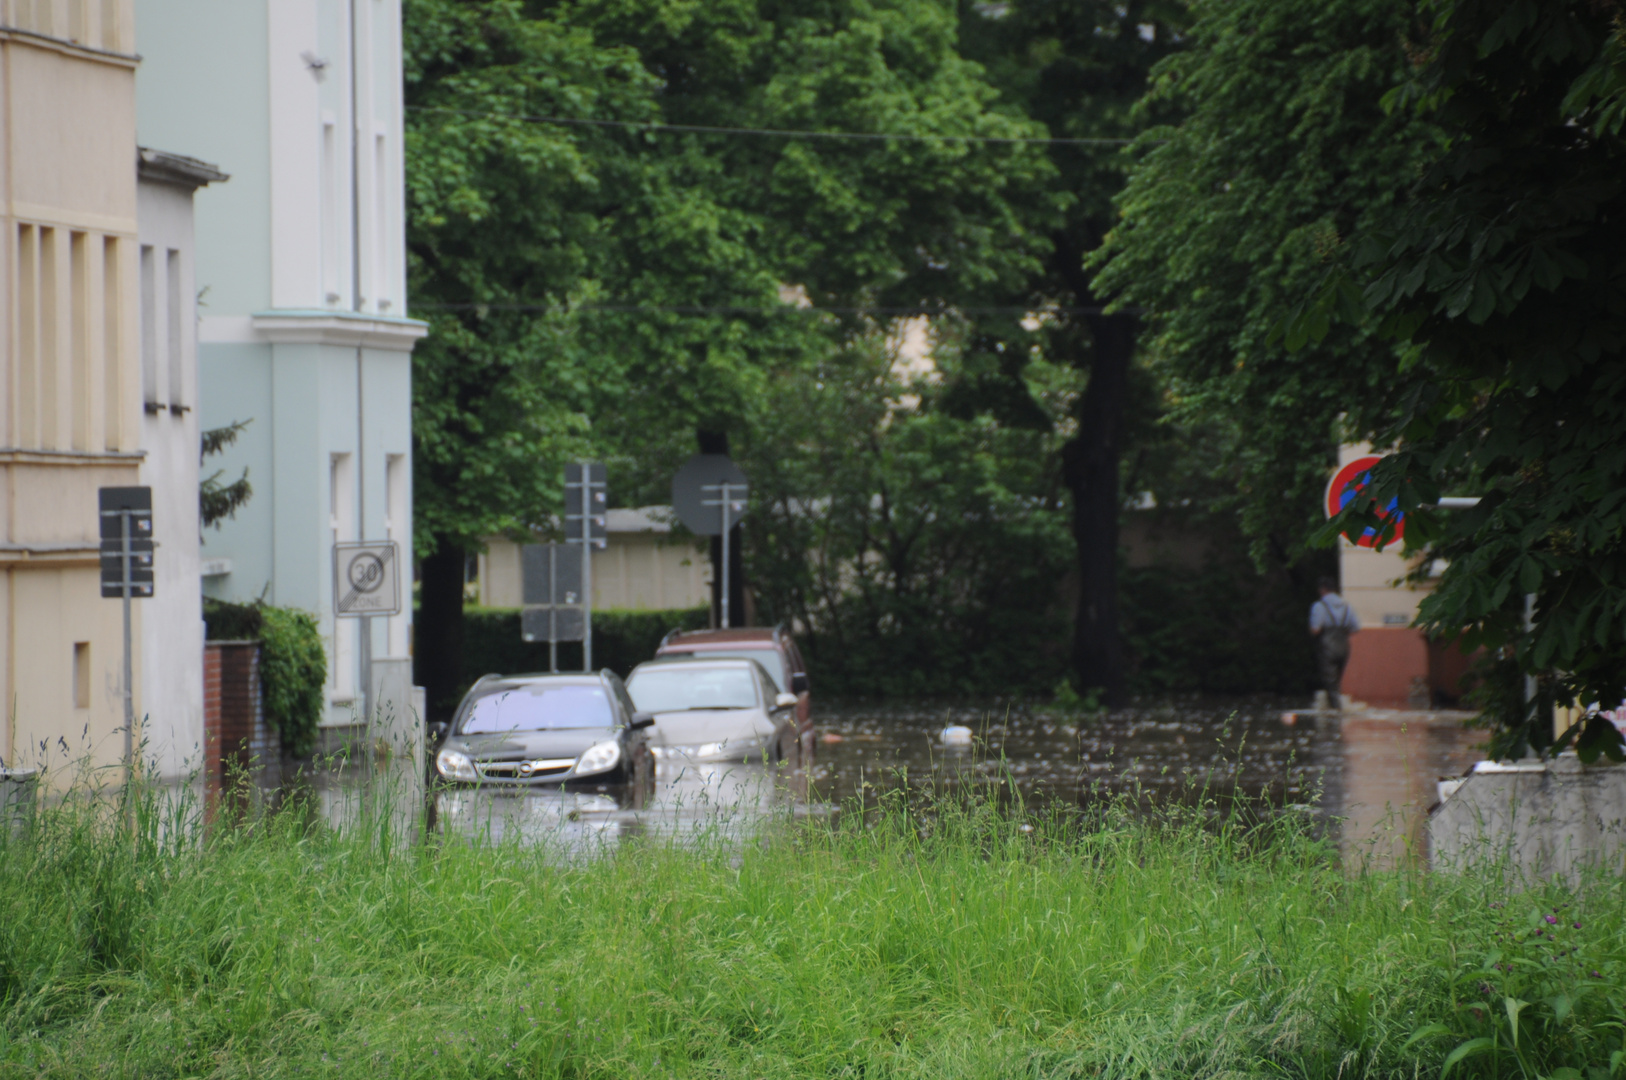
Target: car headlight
(455,765)
(601,758)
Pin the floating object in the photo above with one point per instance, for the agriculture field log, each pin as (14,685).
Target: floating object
(955,735)
(830,737)
(1290,718)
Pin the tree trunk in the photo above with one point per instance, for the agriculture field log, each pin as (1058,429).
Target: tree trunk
(1090,470)
(438,631)
(716,442)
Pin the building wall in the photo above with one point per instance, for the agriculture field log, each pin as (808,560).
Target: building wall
(68,362)
(172,627)
(637,570)
(303,330)
(1389,661)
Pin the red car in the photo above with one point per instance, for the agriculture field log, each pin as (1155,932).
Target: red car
(774,649)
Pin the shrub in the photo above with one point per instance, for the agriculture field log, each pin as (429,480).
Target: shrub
(293,664)
(621,641)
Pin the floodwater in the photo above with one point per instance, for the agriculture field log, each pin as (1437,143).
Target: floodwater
(1370,775)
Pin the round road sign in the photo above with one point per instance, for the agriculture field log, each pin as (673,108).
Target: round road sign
(1348,482)
(697,491)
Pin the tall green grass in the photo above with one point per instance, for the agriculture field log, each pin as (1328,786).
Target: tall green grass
(962,941)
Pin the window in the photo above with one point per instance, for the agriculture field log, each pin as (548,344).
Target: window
(331,291)
(81,674)
(79,339)
(149,329)
(112,310)
(28,334)
(539,708)
(172,299)
(49,394)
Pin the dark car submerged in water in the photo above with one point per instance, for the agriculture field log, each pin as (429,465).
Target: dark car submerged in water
(528,730)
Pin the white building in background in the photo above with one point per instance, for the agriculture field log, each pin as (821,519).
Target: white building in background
(301,280)
(172,622)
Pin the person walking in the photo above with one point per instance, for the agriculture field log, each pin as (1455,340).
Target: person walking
(1332,620)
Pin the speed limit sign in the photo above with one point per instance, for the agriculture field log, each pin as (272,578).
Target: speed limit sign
(365,578)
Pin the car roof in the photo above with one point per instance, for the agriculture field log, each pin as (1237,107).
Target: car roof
(582,678)
(750,637)
(695,660)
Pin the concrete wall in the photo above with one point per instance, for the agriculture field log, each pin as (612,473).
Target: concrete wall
(71,412)
(1536,819)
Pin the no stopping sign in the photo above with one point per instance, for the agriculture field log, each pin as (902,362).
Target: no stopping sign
(1347,483)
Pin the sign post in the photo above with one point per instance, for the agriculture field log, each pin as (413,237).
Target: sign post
(586,502)
(710,495)
(366,582)
(551,594)
(126,560)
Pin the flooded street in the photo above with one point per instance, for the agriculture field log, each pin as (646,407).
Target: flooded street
(1370,775)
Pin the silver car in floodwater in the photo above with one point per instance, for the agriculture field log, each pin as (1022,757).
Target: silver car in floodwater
(713,710)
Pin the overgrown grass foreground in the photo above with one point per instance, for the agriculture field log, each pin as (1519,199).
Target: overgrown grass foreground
(889,945)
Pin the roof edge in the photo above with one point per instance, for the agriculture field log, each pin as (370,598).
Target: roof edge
(166,168)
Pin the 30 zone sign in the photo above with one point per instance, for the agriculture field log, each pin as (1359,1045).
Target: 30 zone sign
(365,578)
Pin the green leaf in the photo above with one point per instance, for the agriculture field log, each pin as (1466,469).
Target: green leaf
(1428,1031)
(1465,1050)
(1529,576)
(1514,1007)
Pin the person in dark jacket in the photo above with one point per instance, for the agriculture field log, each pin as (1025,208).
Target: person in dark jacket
(1332,621)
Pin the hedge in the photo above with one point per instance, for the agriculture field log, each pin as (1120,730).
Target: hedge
(621,641)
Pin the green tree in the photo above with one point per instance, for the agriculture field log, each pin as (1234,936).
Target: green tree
(1228,220)
(1503,282)
(1077,69)
(920,548)
(601,288)
(506,223)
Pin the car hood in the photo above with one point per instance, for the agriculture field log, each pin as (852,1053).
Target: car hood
(747,729)
(515,745)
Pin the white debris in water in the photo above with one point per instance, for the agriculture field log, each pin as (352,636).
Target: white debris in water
(955,735)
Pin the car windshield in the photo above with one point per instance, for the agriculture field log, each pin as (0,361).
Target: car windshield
(768,658)
(540,707)
(681,688)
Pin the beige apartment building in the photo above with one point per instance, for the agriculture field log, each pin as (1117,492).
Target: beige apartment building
(69,348)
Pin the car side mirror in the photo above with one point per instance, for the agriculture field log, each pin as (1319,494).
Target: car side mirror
(798,683)
(784,701)
(438,730)
(642,720)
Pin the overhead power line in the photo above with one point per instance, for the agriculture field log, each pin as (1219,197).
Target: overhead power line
(763,309)
(773,133)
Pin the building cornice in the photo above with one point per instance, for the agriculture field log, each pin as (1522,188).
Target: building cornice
(69,48)
(178,169)
(59,555)
(17,455)
(348,328)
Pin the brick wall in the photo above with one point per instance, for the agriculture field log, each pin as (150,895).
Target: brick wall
(236,737)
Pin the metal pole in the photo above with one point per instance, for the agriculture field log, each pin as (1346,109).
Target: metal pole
(366,622)
(129,689)
(724,501)
(553,609)
(587,566)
